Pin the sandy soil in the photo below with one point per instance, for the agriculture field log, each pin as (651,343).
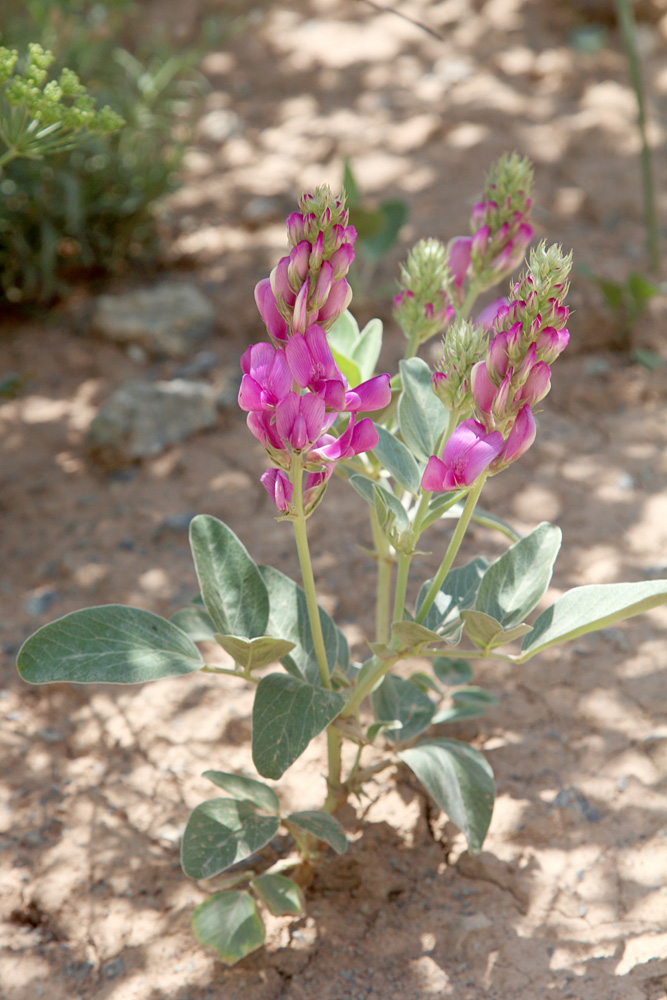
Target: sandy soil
(569,898)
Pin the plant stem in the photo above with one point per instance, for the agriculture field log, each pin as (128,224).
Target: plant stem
(453,548)
(301,539)
(384,574)
(626,22)
(468,302)
(404,561)
(377,668)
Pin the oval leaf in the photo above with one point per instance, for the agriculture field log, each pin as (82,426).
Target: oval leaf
(221,832)
(460,780)
(252,654)
(229,924)
(402,701)
(421,415)
(322,825)
(586,609)
(487,633)
(513,584)
(247,789)
(452,671)
(281,895)
(288,713)
(231,585)
(111,644)
(196,622)
(398,460)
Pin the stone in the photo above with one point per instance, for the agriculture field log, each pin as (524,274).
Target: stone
(142,419)
(170,319)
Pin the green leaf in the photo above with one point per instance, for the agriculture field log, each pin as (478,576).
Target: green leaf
(111,644)
(246,789)
(390,511)
(367,350)
(458,592)
(376,728)
(514,583)
(460,780)
(487,633)
(196,622)
(392,217)
(452,672)
(399,700)
(586,609)
(421,415)
(231,585)
(456,713)
(252,654)
(344,335)
(642,291)
(350,185)
(322,825)
(412,636)
(398,460)
(288,618)
(347,367)
(288,713)
(222,832)
(440,504)
(229,924)
(281,895)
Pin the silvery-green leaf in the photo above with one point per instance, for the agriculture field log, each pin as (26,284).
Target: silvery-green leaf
(398,460)
(288,713)
(196,622)
(451,671)
(254,653)
(586,609)
(402,701)
(412,636)
(460,780)
(514,583)
(222,832)
(322,825)
(367,350)
(457,593)
(279,894)
(422,417)
(111,644)
(230,582)
(487,633)
(246,789)
(229,924)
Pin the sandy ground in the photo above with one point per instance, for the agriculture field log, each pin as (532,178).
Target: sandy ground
(569,897)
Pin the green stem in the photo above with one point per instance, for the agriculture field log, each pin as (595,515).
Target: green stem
(404,560)
(230,673)
(301,538)
(453,548)
(627,24)
(384,574)
(377,668)
(468,302)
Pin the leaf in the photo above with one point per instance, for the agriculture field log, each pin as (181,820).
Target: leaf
(252,654)
(487,633)
(111,644)
(514,583)
(398,460)
(222,832)
(322,825)
(421,415)
(460,780)
(390,511)
(457,593)
(246,789)
(412,636)
(440,504)
(344,334)
(399,700)
(288,713)
(350,184)
(231,585)
(392,217)
(456,713)
(586,609)
(281,895)
(229,924)
(475,696)
(367,350)
(452,671)
(196,622)
(288,618)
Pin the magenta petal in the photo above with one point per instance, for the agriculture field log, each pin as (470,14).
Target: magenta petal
(459,258)
(489,314)
(317,342)
(483,389)
(312,408)
(481,455)
(332,391)
(462,440)
(279,379)
(268,310)
(299,359)
(434,475)
(279,488)
(364,436)
(337,301)
(374,394)
(250,394)
(301,309)
(521,436)
(287,411)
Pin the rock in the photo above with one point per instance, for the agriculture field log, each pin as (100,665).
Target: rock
(39,602)
(143,418)
(170,319)
(577,806)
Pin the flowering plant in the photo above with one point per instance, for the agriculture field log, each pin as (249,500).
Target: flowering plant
(417,447)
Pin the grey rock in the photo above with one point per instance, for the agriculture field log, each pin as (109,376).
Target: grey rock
(202,363)
(39,603)
(577,805)
(170,319)
(142,419)
(114,968)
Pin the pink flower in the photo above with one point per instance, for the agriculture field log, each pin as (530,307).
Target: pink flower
(467,453)
(300,420)
(483,389)
(551,343)
(313,367)
(266,377)
(537,384)
(459,258)
(358,437)
(374,394)
(268,310)
(520,437)
(278,486)
(487,317)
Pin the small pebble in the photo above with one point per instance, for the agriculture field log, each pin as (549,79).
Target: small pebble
(39,604)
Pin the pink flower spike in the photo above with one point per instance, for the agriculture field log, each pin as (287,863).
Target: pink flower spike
(357,437)
(310,359)
(483,389)
(266,378)
(268,310)
(299,419)
(374,394)
(279,488)
(280,285)
(551,343)
(323,285)
(262,427)
(436,475)
(298,265)
(469,451)
(337,301)
(489,314)
(480,239)
(520,437)
(300,316)
(341,260)
(497,359)
(458,258)
(295,227)
(317,251)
